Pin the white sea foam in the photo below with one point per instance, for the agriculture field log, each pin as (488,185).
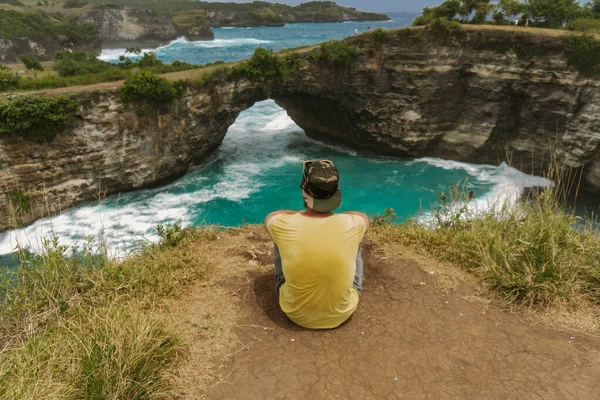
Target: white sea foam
(110,55)
(507,184)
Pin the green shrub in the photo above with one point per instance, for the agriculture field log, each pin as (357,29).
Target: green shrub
(74,3)
(292,63)
(216,75)
(147,86)
(264,65)
(335,52)
(584,55)
(20,201)
(78,63)
(218,62)
(31,62)
(8,79)
(16,24)
(148,60)
(37,118)
(444,29)
(584,25)
(379,37)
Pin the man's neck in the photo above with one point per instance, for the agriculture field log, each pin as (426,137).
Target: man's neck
(315,214)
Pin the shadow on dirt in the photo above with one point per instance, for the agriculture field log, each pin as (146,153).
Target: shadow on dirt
(266,299)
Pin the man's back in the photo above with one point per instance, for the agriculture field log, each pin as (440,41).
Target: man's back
(319,264)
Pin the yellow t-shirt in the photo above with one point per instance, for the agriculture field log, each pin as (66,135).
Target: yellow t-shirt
(318,258)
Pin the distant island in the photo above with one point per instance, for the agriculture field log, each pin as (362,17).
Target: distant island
(42,28)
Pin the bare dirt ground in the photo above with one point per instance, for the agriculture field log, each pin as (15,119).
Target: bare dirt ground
(409,339)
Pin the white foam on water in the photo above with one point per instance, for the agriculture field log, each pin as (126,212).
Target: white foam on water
(112,55)
(507,184)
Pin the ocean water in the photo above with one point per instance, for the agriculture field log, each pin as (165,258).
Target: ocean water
(232,44)
(258,167)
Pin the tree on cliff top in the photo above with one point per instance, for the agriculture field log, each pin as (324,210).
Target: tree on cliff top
(553,13)
(75,3)
(546,13)
(31,63)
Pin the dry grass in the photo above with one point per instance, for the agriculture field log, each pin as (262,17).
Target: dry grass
(533,256)
(520,29)
(156,326)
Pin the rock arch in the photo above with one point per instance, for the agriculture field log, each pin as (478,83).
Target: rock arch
(469,100)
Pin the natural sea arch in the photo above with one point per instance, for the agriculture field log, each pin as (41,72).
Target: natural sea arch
(466,99)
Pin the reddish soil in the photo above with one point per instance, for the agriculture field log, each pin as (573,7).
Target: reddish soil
(407,340)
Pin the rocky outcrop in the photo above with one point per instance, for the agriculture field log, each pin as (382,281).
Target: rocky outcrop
(124,25)
(43,47)
(487,97)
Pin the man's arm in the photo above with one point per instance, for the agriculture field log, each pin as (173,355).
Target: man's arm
(274,213)
(363,216)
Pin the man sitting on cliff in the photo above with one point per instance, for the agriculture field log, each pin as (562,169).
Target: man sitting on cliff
(318,263)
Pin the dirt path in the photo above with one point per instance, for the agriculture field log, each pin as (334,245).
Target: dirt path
(407,340)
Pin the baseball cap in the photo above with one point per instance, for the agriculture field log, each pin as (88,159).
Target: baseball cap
(320,185)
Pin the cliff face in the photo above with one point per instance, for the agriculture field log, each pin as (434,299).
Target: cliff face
(126,25)
(43,49)
(113,148)
(473,99)
(487,97)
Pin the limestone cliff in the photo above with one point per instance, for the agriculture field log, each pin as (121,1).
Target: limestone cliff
(125,25)
(486,97)
(42,35)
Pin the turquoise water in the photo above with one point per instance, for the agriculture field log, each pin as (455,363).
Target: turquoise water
(258,168)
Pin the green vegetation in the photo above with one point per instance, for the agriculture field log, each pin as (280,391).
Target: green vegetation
(37,118)
(20,200)
(8,79)
(584,54)
(79,68)
(74,3)
(78,63)
(266,16)
(335,52)
(31,63)
(16,24)
(15,3)
(444,29)
(189,19)
(379,37)
(588,25)
(147,86)
(541,13)
(264,66)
